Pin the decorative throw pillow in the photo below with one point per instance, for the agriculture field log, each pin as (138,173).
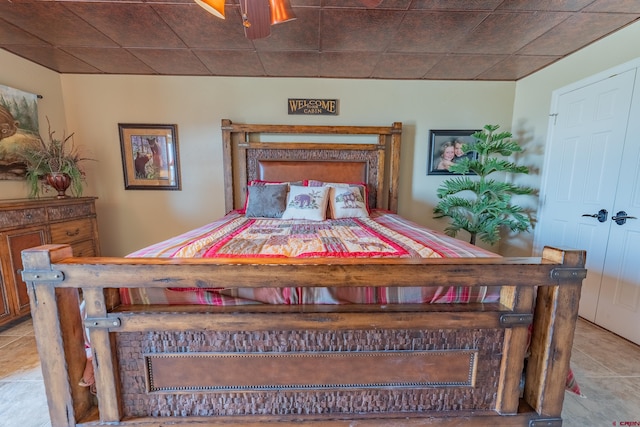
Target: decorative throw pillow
(257,182)
(266,201)
(347,202)
(307,203)
(361,186)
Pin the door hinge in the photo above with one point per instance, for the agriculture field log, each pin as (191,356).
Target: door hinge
(568,273)
(42,276)
(546,422)
(102,322)
(512,319)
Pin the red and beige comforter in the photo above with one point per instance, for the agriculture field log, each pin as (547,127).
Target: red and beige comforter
(383,234)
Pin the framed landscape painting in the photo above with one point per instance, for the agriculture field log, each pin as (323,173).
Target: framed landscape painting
(150,156)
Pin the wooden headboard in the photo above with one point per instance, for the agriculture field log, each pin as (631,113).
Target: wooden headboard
(248,156)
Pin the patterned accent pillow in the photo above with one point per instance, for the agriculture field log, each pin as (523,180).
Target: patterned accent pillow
(307,203)
(347,202)
(361,186)
(266,201)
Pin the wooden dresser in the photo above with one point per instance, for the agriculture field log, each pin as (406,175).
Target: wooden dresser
(25,223)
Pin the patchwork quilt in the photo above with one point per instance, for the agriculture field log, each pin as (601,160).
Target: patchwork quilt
(383,234)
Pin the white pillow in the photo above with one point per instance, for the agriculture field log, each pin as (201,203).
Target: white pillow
(307,203)
(347,202)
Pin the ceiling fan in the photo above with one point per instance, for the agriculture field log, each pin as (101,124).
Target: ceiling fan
(257,15)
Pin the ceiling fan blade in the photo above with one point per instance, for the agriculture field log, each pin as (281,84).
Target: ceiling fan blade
(256,18)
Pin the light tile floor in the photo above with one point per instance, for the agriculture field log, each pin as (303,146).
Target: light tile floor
(607,368)
(22,396)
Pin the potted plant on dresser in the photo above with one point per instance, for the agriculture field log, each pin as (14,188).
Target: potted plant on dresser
(56,163)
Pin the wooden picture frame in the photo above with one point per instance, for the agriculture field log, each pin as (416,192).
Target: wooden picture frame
(150,156)
(444,143)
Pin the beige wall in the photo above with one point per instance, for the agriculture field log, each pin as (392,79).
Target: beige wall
(533,102)
(130,219)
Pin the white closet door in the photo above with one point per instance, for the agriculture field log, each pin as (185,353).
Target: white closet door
(619,300)
(581,174)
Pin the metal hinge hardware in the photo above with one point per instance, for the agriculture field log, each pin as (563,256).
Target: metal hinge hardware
(512,319)
(42,276)
(568,273)
(102,323)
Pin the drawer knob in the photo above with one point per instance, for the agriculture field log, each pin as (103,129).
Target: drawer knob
(73,233)
(28,216)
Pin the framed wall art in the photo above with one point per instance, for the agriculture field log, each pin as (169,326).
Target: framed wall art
(150,156)
(18,128)
(446,148)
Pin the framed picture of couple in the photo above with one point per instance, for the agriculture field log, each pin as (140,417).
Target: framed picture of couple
(446,148)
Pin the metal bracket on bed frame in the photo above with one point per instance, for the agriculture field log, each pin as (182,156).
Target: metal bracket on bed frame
(42,276)
(513,319)
(102,323)
(568,273)
(546,422)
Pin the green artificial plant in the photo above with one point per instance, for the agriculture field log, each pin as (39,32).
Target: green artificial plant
(481,205)
(53,156)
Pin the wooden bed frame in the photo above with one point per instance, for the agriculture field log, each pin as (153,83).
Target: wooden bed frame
(337,365)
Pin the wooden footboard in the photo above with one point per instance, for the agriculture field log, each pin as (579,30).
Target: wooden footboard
(344,365)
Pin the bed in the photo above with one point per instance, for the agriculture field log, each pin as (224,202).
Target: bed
(499,355)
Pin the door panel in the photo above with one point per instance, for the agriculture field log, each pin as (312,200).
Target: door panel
(5,311)
(581,174)
(19,241)
(619,299)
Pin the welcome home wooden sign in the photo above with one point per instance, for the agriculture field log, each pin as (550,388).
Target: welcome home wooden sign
(312,106)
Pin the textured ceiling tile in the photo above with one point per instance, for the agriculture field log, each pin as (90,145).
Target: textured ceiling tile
(171,61)
(574,33)
(368,4)
(620,6)
(548,5)
(307,3)
(434,32)
(299,34)
(130,25)
(53,22)
(462,67)
(348,64)
(231,62)
(507,32)
(357,30)
(404,66)
(110,60)
(517,67)
(10,34)
(200,29)
(291,64)
(478,5)
(368,38)
(53,58)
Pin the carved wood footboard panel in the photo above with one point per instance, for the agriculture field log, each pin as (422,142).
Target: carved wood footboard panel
(204,373)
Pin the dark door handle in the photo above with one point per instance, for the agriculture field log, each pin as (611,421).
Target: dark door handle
(601,215)
(621,217)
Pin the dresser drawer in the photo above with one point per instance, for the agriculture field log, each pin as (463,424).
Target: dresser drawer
(21,217)
(84,248)
(72,231)
(57,213)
